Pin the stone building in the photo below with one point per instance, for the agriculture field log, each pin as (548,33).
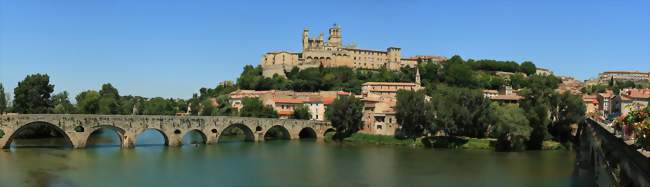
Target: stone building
(635,76)
(285,102)
(331,53)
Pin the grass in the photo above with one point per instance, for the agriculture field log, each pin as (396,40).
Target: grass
(434,142)
(360,138)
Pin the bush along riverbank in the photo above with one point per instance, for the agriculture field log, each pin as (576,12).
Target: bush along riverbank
(438,142)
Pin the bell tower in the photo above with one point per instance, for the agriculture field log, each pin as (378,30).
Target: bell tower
(305,39)
(335,37)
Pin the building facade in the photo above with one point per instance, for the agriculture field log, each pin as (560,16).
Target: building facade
(635,76)
(331,53)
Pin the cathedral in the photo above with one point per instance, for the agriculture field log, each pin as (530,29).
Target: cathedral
(331,53)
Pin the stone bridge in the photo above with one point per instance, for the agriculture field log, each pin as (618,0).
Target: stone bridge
(606,160)
(77,128)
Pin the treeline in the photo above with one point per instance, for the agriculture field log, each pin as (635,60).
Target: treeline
(613,85)
(454,71)
(33,95)
(451,111)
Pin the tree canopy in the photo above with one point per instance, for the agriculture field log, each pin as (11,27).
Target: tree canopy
(345,115)
(32,95)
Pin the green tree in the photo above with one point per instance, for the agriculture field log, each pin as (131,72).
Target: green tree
(567,109)
(32,95)
(345,114)
(159,106)
(224,108)
(301,112)
(509,126)
(253,107)
(109,100)
(62,103)
(3,100)
(88,102)
(411,114)
(528,68)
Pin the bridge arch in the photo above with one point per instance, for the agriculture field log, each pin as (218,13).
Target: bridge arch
(202,136)
(307,133)
(68,141)
(162,133)
(248,133)
(277,132)
(116,130)
(329,130)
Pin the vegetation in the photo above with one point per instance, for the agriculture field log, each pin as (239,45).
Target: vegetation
(253,107)
(301,112)
(3,100)
(345,114)
(511,128)
(32,95)
(62,104)
(361,138)
(411,111)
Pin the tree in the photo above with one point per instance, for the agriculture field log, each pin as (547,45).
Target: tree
(345,114)
(3,100)
(528,68)
(410,113)
(109,100)
(509,126)
(62,104)
(253,107)
(88,102)
(32,95)
(301,112)
(567,109)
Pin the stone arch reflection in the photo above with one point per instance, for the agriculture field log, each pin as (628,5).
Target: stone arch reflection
(38,134)
(236,132)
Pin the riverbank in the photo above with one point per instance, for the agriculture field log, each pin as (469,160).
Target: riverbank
(434,142)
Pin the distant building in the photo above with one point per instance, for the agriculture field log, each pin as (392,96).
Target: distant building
(631,100)
(571,85)
(285,102)
(379,115)
(544,72)
(504,95)
(635,76)
(331,53)
(591,103)
(605,103)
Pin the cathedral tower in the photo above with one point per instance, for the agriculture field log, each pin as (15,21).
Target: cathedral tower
(334,38)
(305,38)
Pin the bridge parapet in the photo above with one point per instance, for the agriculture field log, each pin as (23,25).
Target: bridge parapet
(612,161)
(78,127)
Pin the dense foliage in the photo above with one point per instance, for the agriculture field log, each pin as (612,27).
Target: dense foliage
(301,112)
(345,114)
(253,107)
(3,100)
(32,95)
(411,112)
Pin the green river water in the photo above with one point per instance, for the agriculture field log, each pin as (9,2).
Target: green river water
(281,163)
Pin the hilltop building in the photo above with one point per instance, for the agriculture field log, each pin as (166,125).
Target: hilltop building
(331,53)
(635,76)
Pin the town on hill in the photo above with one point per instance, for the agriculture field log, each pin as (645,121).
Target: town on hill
(519,105)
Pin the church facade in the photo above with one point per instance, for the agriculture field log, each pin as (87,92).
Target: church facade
(331,53)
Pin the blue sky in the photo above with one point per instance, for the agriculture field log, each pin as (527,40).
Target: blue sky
(172,48)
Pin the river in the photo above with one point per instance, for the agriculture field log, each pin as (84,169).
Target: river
(280,163)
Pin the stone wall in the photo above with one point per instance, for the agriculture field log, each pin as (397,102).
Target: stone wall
(78,127)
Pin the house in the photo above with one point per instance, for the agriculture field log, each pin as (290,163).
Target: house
(630,100)
(591,103)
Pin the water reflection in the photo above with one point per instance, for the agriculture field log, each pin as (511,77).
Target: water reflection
(281,163)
